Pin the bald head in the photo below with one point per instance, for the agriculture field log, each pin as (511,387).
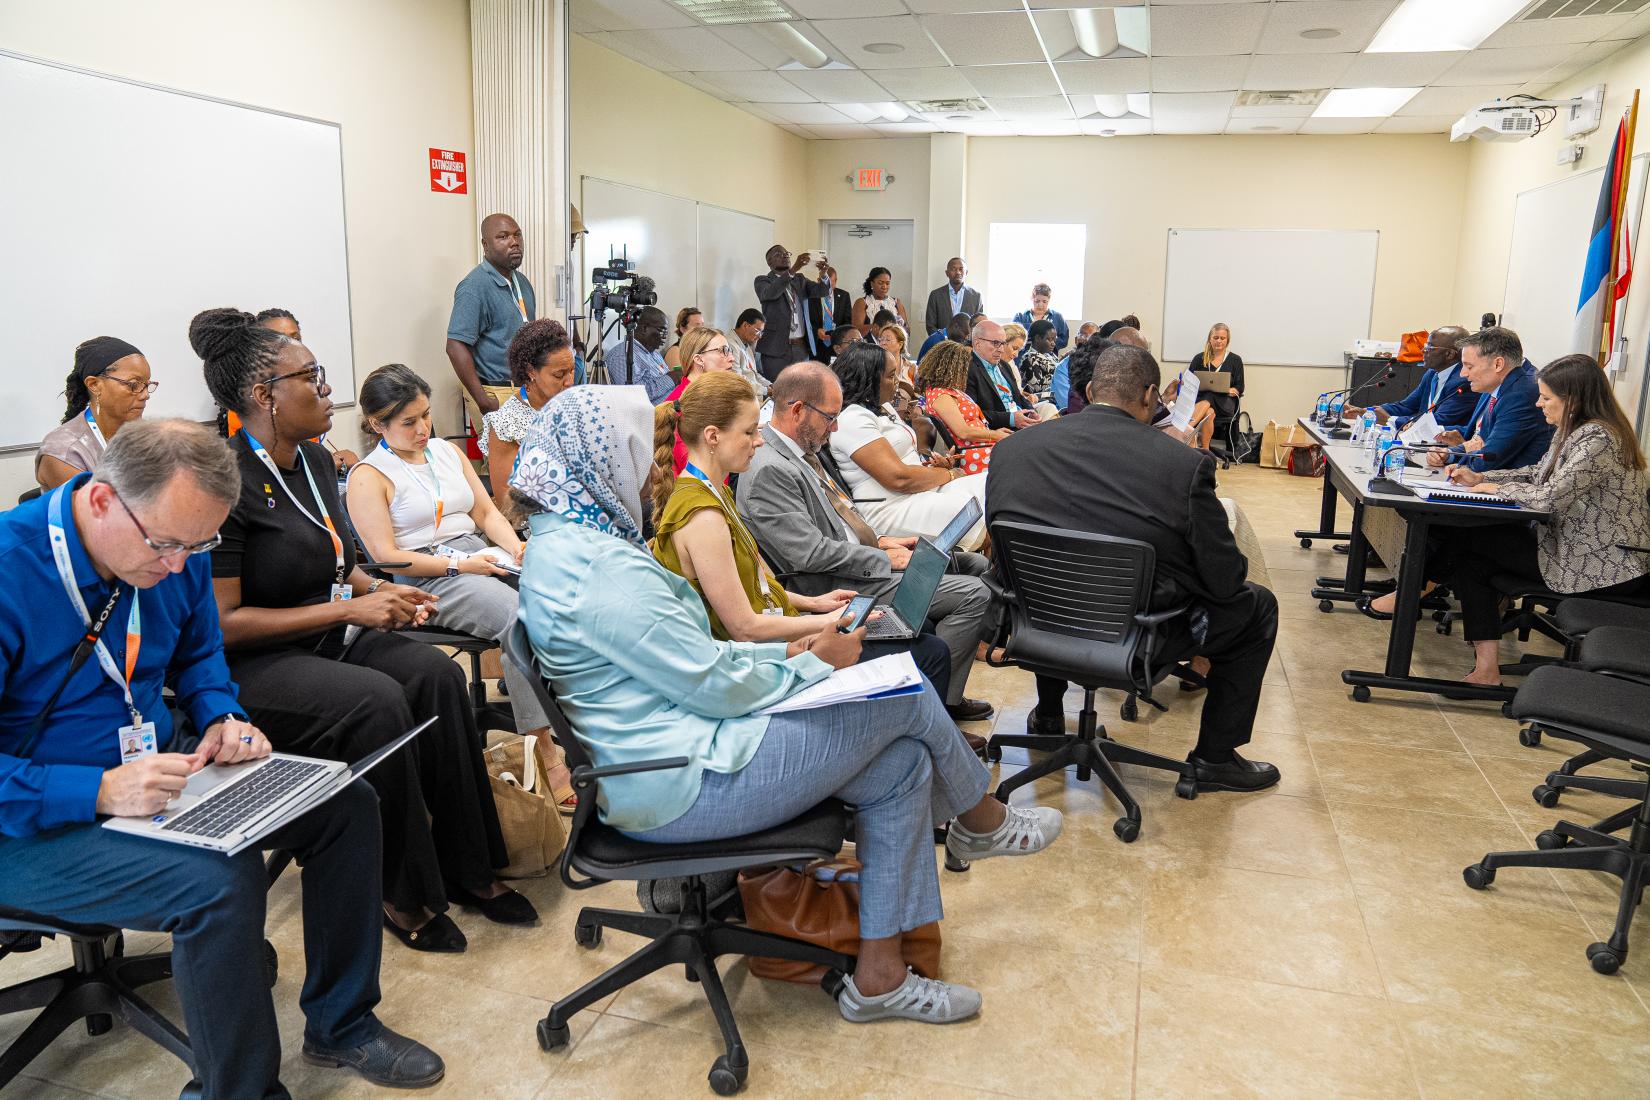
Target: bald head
(1126,377)
(501,242)
(1131,336)
(1443,349)
(806,398)
(989,341)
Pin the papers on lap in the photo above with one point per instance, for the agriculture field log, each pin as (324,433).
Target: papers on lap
(885,677)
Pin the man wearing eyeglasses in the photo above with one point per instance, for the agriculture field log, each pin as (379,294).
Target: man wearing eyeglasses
(991,386)
(1440,389)
(125,547)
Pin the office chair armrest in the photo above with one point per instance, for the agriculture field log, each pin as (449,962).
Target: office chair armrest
(1155,619)
(584,783)
(385,568)
(586,773)
(1151,621)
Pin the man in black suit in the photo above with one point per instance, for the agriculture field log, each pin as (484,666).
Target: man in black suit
(989,380)
(1106,470)
(952,299)
(827,314)
(783,292)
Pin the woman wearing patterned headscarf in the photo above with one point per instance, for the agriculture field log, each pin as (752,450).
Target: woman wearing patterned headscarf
(107,387)
(628,650)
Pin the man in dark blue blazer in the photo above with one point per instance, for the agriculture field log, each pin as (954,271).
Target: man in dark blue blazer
(1506,430)
(1440,391)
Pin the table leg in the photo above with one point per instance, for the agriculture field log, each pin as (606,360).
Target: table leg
(1326,519)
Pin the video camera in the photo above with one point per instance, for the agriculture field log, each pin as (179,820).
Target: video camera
(641,292)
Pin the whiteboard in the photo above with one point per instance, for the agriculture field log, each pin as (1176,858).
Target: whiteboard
(1292,297)
(1551,229)
(131,208)
(731,250)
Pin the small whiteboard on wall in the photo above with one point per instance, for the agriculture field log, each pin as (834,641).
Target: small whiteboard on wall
(132,208)
(1552,226)
(1292,297)
(732,247)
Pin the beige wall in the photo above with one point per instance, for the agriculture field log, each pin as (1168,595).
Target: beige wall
(395,74)
(832,198)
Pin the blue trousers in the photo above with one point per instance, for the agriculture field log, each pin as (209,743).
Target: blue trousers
(213,906)
(899,762)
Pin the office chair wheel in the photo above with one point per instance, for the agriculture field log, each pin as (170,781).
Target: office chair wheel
(1326,606)
(1544,796)
(587,935)
(1127,829)
(993,752)
(1306,544)
(955,865)
(1478,876)
(1130,711)
(1360,694)
(832,983)
(1186,787)
(1529,737)
(553,1038)
(1605,959)
(725,1077)
(1550,839)
(272,965)
(1444,628)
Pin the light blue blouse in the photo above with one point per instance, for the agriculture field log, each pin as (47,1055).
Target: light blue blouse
(627,646)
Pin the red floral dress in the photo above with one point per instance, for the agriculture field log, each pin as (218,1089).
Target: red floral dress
(976,457)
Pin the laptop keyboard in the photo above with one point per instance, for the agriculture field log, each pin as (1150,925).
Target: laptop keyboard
(889,626)
(223,814)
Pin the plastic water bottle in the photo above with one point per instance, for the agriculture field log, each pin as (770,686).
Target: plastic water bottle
(1364,425)
(1322,412)
(1385,440)
(1336,405)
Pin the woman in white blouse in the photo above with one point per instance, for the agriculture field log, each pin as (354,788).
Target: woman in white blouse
(541,366)
(877,453)
(879,295)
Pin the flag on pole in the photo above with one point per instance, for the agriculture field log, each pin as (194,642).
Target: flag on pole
(1621,267)
(1595,309)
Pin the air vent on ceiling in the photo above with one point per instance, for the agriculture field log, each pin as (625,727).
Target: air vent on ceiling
(1572,9)
(949,106)
(734,11)
(1307,97)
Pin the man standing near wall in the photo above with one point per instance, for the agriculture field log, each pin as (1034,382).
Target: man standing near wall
(945,302)
(784,293)
(489,305)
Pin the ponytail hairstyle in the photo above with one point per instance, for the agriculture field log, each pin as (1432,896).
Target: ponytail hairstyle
(385,392)
(1209,342)
(872,277)
(1578,381)
(92,358)
(713,401)
(694,341)
(236,353)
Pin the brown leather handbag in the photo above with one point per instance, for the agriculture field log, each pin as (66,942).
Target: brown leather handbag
(815,906)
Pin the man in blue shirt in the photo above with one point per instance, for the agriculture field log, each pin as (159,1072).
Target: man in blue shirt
(489,305)
(1441,390)
(1002,403)
(647,363)
(1506,430)
(1059,387)
(133,537)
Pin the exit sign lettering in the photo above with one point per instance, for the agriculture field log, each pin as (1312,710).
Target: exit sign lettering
(870,179)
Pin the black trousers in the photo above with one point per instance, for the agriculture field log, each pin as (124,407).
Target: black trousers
(439,823)
(932,657)
(1238,646)
(1469,558)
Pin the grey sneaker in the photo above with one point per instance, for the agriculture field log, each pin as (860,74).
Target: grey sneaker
(926,1000)
(1022,832)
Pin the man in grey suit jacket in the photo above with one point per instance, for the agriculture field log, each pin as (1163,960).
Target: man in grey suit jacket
(945,302)
(784,502)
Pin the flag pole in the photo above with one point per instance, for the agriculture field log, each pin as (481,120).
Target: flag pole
(1607,343)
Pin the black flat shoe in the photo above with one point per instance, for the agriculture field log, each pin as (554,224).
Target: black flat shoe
(389,1059)
(1237,774)
(969,710)
(1039,725)
(508,908)
(1362,603)
(439,934)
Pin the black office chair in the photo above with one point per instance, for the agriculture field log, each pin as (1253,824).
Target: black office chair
(704,929)
(1605,714)
(1076,612)
(1618,651)
(101,984)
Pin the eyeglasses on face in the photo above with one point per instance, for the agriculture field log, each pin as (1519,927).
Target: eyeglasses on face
(724,351)
(168,549)
(992,343)
(315,375)
(132,385)
(830,418)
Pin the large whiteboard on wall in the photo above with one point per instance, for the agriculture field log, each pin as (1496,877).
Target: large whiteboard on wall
(731,250)
(129,208)
(1292,297)
(1551,229)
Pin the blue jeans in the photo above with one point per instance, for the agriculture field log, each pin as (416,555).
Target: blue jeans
(213,906)
(899,762)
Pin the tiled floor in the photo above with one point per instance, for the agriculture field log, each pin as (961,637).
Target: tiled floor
(1315,940)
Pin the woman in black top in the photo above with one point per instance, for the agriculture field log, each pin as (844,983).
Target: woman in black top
(308,639)
(1216,356)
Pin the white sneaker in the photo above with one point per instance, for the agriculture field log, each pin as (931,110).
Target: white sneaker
(1022,832)
(926,1000)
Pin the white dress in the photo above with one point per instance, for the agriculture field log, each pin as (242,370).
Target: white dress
(900,514)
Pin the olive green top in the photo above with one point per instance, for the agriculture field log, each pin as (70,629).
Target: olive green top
(688,497)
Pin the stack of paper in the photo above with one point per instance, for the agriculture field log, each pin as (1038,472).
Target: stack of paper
(895,674)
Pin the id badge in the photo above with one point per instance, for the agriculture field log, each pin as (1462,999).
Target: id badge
(773,611)
(136,742)
(341,592)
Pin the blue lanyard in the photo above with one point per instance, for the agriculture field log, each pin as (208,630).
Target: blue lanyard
(134,619)
(325,522)
(91,422)
(741,532)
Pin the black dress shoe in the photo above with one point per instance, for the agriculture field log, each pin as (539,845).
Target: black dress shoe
(1236,774)
(1363,603)
(508,908)
(969,710)
(1045,725)
(439,934)
(391,1060)
(976,743)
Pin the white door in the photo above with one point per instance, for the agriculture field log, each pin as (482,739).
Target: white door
(856,247)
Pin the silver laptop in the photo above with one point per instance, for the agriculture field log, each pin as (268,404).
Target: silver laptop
(1217,380)
(229,807)
(961,523)
(903,618)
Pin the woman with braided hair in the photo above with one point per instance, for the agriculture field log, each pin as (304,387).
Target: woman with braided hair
(108,386)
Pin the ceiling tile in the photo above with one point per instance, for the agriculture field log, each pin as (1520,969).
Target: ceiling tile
(1580,29)
(1273,110)
(959,7)
(1451,101)
(1198,74)
(910,128)
(1117,127)
(757,87)
(837,85)
(1584,58)
(925,83)
(629,15)
(1357,20)
(845,9)
(803,114)
(1396,70)
(1048,127)
(1282,72)
(1012,80)
(687,48)
(697,82)
(800,131)
(1201,124)
(747,40)
(1191,112)
(1512,66)
(1115,76)
(1339,125)
(1042,106)
(1001,39)
(1636,27)
(1419,124)
(1198,29)
(844,130)
(1263,125)
(851,36)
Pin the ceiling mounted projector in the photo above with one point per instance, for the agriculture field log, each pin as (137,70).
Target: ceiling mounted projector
(1523,117)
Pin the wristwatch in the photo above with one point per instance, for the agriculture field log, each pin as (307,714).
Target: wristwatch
(374,586)
(452,567)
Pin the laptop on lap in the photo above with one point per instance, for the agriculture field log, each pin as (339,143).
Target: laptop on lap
(903,618)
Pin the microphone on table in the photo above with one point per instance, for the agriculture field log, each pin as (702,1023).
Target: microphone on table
(1378,380)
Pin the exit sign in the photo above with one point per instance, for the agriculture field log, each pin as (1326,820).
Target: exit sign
(871,179)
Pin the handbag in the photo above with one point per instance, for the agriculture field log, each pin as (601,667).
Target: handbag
(1307,461)
(533,833)
(1244,441)
(819,904)
(1272,456)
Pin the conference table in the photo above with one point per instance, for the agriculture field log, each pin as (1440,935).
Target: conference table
(1395,522)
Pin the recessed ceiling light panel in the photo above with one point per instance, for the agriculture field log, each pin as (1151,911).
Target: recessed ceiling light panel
(1438,26)
(734,11)
(1363,102)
